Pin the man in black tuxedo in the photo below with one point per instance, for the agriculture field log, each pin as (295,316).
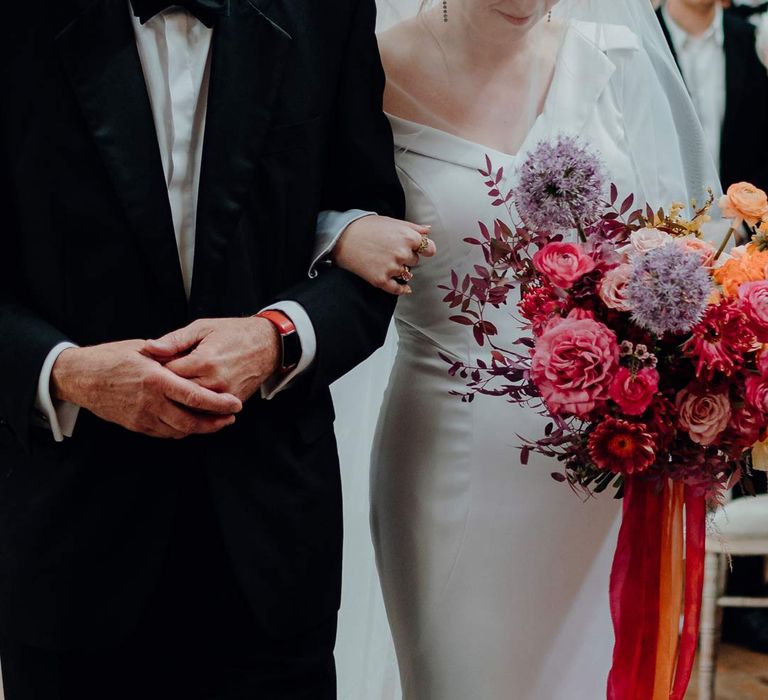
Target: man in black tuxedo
(163,169)
(735,113)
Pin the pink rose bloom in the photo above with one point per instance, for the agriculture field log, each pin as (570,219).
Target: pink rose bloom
(703,248)
(633,394)
(754,302)
(573,366)
(645,239)
(613,288)
(563,263)
(757,393)
(704,415)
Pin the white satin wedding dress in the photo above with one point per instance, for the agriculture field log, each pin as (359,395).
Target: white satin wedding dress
(495,576)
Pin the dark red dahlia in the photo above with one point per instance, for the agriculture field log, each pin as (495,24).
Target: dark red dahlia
(621,447)
(540,304)
(744,429)
(660,422)
(720,340)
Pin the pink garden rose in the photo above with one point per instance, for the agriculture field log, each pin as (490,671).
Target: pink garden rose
(754,302)
(703,414)
(700,246)
(613,288)
(645,239)
(573,365)
(633,394)
(563,263)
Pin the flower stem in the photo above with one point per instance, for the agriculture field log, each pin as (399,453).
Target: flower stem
(579,227)
(725,242)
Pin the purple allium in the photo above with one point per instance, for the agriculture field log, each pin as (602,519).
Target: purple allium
(560,186)
(669,289)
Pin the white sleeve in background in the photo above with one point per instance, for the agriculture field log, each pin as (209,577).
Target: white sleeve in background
(60,417)
(295,311)
(330,226)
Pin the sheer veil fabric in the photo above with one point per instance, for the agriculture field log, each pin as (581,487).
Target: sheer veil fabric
(670,127)
(668,130)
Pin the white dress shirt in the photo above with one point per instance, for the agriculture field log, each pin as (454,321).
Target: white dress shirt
(702,63)
(174,48)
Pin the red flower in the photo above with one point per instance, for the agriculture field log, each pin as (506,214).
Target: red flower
(621,447)
(754,301)
(720,340)
(757,393)
(744,428)
(660,422)
(540,304)
(633,393)
(762,363)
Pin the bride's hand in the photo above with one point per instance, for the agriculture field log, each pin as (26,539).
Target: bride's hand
(376,248)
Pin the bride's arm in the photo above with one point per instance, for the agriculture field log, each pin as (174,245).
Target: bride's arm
(377,247)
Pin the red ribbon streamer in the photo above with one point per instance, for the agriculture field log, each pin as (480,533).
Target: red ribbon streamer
(635,591)
(695,543)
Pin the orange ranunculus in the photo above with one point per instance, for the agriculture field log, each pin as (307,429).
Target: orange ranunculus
(744,202)
(751,266)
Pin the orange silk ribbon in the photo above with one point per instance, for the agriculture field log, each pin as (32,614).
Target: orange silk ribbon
(671,591)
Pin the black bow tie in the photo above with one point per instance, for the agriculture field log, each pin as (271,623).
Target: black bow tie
(207,11)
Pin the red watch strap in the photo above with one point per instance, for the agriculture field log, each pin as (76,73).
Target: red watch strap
(280,320)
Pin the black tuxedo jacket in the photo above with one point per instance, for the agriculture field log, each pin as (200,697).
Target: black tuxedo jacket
(744,143)
(88,254)
(746,11)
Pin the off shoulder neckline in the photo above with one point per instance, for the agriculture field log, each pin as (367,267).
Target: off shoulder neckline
(575,92)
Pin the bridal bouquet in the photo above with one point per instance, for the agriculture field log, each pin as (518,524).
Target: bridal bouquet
(647,349)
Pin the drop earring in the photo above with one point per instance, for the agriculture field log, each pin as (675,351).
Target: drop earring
(445,10)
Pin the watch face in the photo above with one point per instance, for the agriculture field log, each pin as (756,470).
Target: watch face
(291,350)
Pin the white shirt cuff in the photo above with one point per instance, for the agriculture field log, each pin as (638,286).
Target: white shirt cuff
(330,226)
(58,416)
(306,331)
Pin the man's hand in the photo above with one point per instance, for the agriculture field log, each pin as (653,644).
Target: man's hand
(120,384)
(234,355)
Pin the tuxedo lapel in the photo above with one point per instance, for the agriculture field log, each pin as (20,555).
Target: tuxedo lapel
(247,56)
(100,56)
(736,66)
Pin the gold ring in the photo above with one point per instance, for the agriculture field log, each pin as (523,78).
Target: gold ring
(406,275)
(424,244)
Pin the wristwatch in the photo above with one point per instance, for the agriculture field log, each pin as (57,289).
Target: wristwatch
(289,339)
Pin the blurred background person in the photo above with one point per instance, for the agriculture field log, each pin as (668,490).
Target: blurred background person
(715,50)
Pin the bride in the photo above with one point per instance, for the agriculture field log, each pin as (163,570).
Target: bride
(495,577)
